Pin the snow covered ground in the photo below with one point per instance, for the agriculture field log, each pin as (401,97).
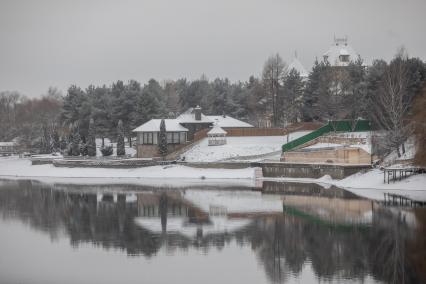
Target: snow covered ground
(129,151)
(22,168)
(239,147)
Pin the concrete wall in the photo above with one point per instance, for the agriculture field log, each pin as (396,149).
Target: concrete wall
(343,155)
(309,170)
(103,163)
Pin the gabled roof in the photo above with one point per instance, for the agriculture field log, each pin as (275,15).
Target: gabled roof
(227,121)
(217,130)
(189,117)
(154,126)
(296,65)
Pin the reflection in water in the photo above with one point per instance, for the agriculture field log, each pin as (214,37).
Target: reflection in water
(335,234)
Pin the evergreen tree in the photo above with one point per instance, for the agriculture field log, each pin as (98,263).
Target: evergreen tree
(63,143)
(162,143)
(56,143)
(77,109)
(75,144)
(291,100)
(317,93)
(91,139)
(120,139)
(100,98)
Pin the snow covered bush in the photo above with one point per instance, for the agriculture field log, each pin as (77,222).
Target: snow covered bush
(107,150)
(83,149)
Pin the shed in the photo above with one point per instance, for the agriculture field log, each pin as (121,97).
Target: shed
(216,136)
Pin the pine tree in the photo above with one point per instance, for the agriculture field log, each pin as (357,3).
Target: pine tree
(63,143)
(291,99)
(162,143)
(91,140)
(75,144)
(120,139)
(56,143)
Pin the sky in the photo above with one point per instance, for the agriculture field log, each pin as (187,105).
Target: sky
(57,43)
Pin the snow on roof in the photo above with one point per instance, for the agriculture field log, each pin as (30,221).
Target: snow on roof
(189,117)
(217,130)
(296,65)
(154,126)
(340,47)
(227,121)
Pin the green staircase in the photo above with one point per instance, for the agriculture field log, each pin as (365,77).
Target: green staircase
(332,126)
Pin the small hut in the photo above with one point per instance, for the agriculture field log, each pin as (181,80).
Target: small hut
(216,136)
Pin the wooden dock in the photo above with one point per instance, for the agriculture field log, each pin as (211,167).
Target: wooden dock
(401,200)
(397,174)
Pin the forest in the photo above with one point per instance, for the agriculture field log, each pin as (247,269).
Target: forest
(383,92)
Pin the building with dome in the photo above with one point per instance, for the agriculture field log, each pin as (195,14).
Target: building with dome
(340,53)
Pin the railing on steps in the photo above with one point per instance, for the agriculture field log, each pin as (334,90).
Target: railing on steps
(331,126)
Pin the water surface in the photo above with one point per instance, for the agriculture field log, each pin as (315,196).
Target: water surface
(281,233)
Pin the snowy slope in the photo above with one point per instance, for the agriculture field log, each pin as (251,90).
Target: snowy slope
(238,147)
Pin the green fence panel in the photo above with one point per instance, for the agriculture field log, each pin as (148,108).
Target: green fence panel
(331,126)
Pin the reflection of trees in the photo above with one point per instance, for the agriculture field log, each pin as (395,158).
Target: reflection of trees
(285,243)
(282,243)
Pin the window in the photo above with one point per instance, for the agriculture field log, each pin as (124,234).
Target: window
(173,138)
(344,58)
(147,138)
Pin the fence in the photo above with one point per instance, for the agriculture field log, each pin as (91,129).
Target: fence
(336,126)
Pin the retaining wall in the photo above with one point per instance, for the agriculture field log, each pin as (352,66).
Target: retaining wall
(309,170)
(341,155)
(104,163)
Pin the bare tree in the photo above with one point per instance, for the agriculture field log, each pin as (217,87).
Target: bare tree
(393,102)
(273,74)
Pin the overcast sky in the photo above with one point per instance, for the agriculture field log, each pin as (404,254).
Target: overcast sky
(57,43)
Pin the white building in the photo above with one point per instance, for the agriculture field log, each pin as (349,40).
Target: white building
(216,136)
(340,53)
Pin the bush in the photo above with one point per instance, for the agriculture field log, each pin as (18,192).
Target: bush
(83,149)
(107,150)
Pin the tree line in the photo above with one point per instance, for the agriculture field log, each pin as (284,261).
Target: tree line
(382,92)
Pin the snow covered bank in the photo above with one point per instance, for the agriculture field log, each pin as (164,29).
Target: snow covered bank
(370,184)
(22,168)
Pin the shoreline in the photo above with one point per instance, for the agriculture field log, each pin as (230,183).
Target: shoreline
(366,184)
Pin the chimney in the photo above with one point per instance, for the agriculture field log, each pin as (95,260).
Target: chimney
(197,112)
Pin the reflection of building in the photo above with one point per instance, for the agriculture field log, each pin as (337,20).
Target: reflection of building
(193,214)
(115,197)
(334,210)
